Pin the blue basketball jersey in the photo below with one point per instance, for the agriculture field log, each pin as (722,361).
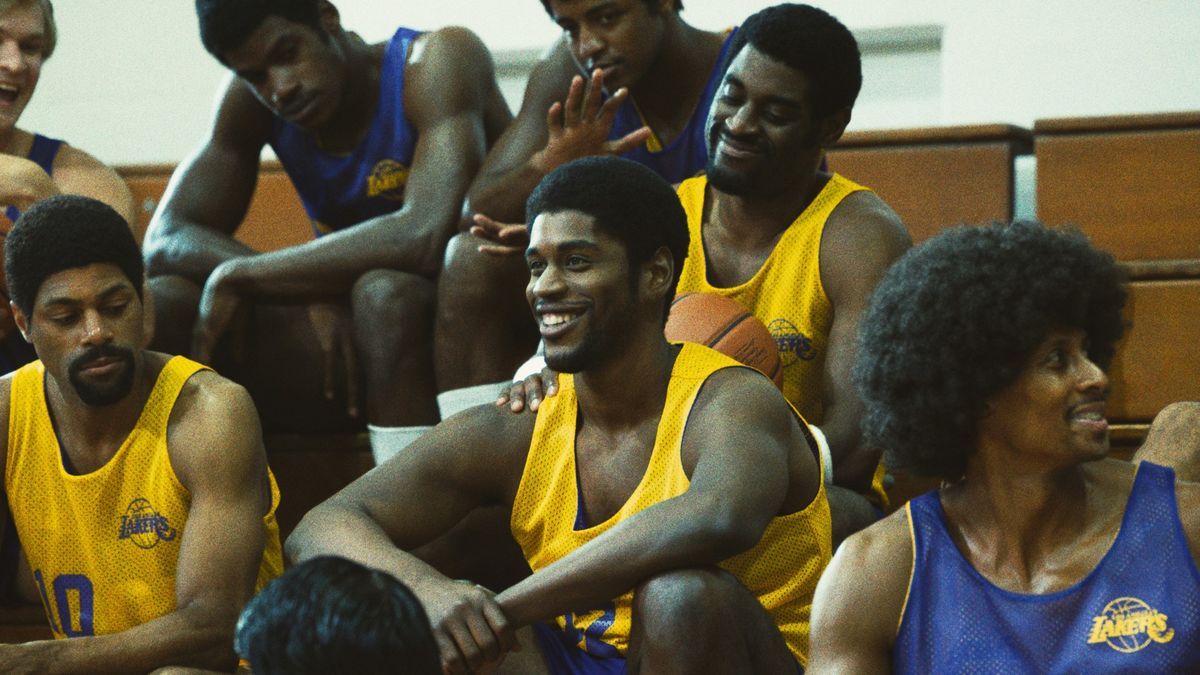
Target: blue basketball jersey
(1138,611)
(339,191)
(687,154)
(42,152)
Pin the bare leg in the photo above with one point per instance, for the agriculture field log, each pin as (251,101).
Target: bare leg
(1174,440)
(484,329)
(703,621)
(393,333)
(175,301)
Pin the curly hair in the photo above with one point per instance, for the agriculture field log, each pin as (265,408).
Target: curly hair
(955,320)
(628,201)
(64,232)
(811,41)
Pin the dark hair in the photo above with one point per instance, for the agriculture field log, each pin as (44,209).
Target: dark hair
(811,41)
(330,615)
(650,3)
(64,232)
(956,320)
(628,200)
(225,24)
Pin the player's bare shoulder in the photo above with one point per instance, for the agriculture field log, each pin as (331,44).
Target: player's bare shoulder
(863,217)
(212,416)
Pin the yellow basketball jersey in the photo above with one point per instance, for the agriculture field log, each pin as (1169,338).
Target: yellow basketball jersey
(781,570)
(104,546)
(786,294)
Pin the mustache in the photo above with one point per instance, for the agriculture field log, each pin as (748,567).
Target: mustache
(719,131)
(98,352)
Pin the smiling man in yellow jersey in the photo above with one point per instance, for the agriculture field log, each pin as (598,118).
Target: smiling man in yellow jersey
(801,248)
(668,499)
(137,481)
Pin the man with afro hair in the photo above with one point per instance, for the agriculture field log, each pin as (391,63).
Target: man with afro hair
(982,362)
(137,481)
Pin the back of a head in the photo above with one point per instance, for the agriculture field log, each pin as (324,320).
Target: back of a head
(331,616)
(225,24)
(628,200)
(64,232)
(955,320)
(49,26)
(813,42)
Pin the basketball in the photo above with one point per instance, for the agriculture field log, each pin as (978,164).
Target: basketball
(726,326)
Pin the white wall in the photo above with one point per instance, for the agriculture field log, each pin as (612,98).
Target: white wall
(131,83)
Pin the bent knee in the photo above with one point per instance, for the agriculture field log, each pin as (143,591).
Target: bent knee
(684,593)
(391,295)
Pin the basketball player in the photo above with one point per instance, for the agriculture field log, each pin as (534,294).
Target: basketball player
(147,526)
(982,363)
(332,615)
(637,81)
(675,525)
(33,166)
(800,248)
(381,141)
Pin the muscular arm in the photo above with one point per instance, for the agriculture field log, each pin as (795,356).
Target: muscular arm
(208,196)
(857,607)
(223,466)
(740,441)
(861,240)
(22,182)
(446,96)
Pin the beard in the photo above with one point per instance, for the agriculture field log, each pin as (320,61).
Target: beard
(105,393)
(738,183)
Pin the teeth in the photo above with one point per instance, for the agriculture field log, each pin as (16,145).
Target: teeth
(1092,416)
(554,319)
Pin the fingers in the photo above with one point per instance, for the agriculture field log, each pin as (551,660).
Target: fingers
(573,110)
(515,396)
(594,95)
(550,380)
(534,391)
(629,141)
(350,362)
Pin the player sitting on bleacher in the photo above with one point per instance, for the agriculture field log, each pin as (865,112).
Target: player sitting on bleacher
(137,481)
(33,166)
(668,499)
(982,363)
(800,248)
(381,142)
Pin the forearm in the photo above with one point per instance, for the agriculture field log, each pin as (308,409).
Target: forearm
(330,265)
(674,534)
(501,195)
(191,636)
(350,533)
(189,250)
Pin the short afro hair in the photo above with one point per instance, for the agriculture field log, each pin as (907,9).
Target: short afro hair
(956,320)
(65,232)
(811,41)
(332,615)
(650,3)
(226,24)
(628,201)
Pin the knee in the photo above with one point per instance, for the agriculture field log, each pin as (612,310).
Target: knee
(384,296)
(681,599)
(172,291)
(470,281)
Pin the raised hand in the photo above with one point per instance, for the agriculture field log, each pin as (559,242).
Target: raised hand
(580,126)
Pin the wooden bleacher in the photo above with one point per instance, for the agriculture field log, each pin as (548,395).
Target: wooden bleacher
(1132,184)
(936,177)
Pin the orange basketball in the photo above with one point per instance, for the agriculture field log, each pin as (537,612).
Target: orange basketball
(726,326)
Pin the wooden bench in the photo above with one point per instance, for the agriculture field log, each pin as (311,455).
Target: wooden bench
(1132,184)
(936,177)
(275,219)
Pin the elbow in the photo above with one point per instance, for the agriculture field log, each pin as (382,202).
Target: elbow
(729,533)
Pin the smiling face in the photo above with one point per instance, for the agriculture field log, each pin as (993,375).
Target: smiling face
(294,70)
(1056,405)
(22,39)
(581,290)
(621,37)
(762,136)
(87,330)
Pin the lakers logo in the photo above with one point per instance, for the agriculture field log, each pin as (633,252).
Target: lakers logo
(387,180)
(142,525)
(793,345)
(1128,625)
